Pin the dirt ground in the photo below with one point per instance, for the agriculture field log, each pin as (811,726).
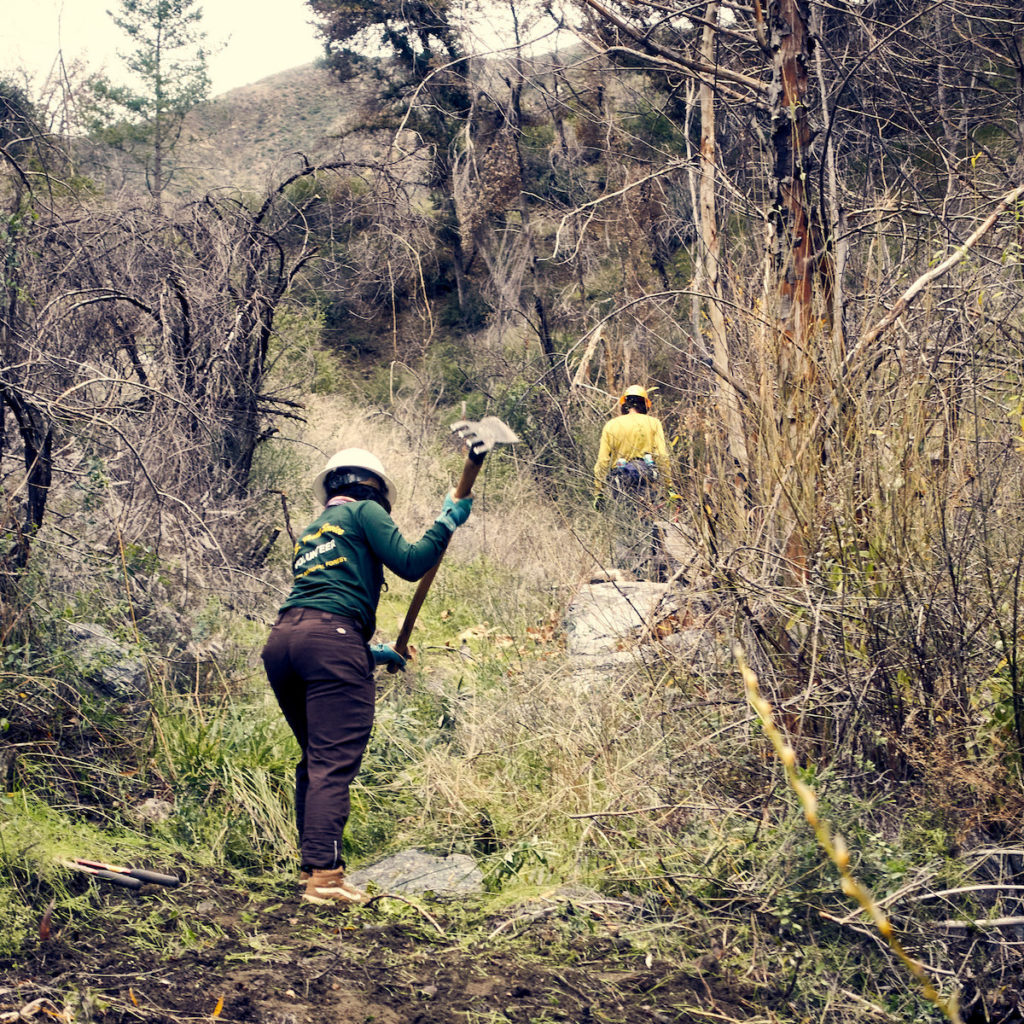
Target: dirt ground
(207,951)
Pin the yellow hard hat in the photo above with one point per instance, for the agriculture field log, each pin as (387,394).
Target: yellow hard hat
(635,391)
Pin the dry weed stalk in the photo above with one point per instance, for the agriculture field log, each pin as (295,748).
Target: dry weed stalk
(834,845)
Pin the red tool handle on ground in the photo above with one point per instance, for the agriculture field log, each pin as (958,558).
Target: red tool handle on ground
(470,471)
(115,874)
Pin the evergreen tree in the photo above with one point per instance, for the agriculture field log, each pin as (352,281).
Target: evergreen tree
(423,83)
(168,66)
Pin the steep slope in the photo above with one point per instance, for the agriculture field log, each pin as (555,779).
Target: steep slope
(258,132)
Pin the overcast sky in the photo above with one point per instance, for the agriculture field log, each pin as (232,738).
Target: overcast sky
(262,36)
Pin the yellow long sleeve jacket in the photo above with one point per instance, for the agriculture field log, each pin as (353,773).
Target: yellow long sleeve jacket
(631,437)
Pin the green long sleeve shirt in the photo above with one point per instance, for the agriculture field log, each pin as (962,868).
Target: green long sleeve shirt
(339,559)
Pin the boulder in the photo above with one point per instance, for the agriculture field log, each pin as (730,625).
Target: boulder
(153,810)
(606,618)
(413,871)
(105,664)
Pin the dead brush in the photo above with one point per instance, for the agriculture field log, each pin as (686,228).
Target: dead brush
(583,761)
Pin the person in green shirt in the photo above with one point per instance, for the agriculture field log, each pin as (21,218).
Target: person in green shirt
(318,658)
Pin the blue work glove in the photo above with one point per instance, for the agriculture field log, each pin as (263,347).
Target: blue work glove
(385,654)
(455,512)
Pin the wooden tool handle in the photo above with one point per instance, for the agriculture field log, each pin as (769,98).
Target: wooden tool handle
(115,877)
(470,471)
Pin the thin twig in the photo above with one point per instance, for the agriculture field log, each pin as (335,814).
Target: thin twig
(903,302)
(970,888)
(284,510)
(415,906)
(535,915)
(645,810)
(995,922)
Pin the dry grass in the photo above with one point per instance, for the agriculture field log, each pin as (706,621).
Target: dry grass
(513,525)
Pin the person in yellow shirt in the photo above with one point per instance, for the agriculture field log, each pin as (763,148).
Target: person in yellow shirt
(633,464)
(633,456)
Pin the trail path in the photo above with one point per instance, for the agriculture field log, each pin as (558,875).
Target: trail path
(210,951)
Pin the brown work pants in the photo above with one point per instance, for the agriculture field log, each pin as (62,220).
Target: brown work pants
(321,672)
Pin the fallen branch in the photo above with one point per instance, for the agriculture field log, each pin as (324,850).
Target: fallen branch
(646,810)
(901,894)
(901,304)
(969,888)
(995,922)
(535,915)
(33,1009)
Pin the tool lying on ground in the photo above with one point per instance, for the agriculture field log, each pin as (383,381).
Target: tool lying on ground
(480,437)
(129,878)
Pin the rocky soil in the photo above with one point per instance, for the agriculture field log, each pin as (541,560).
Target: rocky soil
(211,951)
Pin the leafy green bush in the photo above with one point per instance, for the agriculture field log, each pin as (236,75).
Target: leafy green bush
(231,769)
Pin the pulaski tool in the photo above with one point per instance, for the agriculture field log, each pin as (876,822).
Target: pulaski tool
(128,878)
(480,437)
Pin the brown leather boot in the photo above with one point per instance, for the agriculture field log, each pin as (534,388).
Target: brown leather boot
(329,886)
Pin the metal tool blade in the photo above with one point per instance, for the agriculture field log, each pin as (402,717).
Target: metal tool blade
(482,435)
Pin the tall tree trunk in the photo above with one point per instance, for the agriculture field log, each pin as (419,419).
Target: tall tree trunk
(835,245)
(711,251)
(792,243)
(791,270)
(539,307)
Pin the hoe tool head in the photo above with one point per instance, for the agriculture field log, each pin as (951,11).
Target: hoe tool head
(482,435)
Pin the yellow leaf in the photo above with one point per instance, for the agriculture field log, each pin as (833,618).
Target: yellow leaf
(218,1007)
(131,996)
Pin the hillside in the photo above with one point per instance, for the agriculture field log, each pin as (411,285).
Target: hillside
(256,133)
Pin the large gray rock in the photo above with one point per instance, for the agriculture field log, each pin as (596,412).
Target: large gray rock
(105,664)
(413,871)
(606,619)
(615,627)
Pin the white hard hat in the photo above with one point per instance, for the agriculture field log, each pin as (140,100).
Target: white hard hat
(354,458)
